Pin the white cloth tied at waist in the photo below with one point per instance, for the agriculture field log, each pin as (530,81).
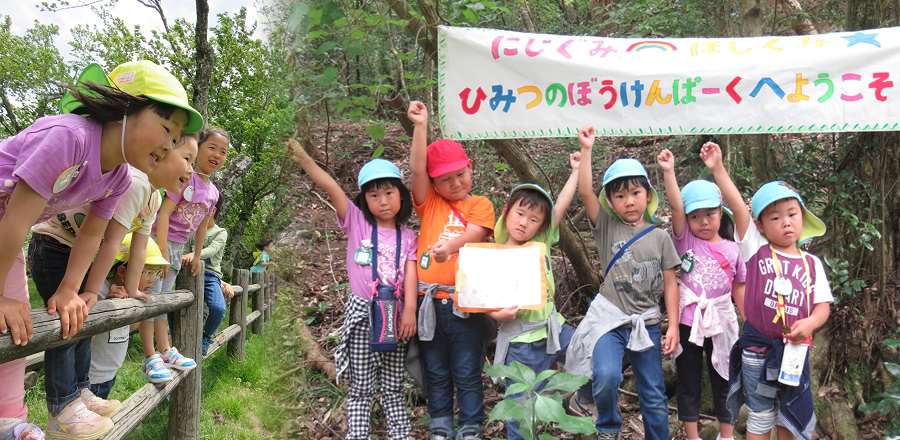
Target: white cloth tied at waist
(713,318)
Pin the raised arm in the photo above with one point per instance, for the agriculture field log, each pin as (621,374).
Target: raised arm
(418,114)
(585,178)
(712,157)
(568,192)
(666,161)
(319,176)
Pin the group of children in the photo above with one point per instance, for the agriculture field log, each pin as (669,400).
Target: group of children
(726,258)
(117,167)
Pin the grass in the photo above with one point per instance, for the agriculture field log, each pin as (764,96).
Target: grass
(245,395)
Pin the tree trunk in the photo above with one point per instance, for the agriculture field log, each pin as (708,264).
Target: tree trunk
(204,59)
(755,146)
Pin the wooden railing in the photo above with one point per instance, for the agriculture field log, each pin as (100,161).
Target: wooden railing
(187,304)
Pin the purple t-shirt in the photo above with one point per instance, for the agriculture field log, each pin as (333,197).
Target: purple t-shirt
(707,275)
(48,152)
(358,229)
(195,202)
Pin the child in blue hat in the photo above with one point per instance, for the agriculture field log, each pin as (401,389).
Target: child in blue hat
(378,212)
(787,298)
(624,316)
(712,272)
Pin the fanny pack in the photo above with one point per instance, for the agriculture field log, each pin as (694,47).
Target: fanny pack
(384,307)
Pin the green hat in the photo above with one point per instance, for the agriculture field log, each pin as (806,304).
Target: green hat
(138,78)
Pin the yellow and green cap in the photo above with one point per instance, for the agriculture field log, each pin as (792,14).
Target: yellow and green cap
(154,255)
(138,78)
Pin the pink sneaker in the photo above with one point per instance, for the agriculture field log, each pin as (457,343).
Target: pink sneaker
(76,422)
(106,408)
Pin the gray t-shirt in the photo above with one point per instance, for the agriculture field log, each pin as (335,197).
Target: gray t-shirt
(108,349)
(635,281)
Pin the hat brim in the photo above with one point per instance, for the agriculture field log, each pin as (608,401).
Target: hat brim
(376,176)
(92,73)
(649,213)
(534,187)
(812,227)
(448,168)
(195,120)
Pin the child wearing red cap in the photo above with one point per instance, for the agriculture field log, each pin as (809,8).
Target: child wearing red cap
(452,341)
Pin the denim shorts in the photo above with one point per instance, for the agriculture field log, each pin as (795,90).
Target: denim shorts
(753,364)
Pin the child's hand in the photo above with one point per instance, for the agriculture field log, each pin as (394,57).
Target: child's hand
(227,291)
(195,267)
(575,160)
(711,155)
(801,330)
(666,160)
(72,311)
(187,258)
(586,137)
(671,343)
(15,318)
(505,314)
(440,251)
(138,295)
(117,292)
(407,324)
(89,299)
(297,153)
(417,113)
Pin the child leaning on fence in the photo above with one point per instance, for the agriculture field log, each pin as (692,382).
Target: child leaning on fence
(381,261)
(787,298)
(262,257)
(623,318)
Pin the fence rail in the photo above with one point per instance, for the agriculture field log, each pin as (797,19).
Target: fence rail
(187,304)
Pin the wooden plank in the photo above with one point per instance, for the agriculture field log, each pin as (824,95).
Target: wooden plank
(105,316)
(238,315)
(34,362)
(258,302)
(187,334)
(253,317)
(139,405)
(222,338)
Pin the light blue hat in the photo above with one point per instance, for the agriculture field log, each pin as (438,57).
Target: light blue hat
(778,190)
(702,194)
(626,168)
(377,169)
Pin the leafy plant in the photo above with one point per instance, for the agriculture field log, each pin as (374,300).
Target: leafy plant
(317,309)
(888,402)
(534,409)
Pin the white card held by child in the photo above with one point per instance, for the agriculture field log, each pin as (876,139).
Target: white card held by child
(492,276)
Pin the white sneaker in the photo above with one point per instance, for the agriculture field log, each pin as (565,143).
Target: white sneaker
(173,359)
(106,408)
(77,422)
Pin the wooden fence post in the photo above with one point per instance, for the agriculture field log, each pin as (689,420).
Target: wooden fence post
(187,335)
(268,279)
(238,314)
(258,302)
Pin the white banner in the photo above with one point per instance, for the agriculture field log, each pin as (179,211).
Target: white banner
(503,84)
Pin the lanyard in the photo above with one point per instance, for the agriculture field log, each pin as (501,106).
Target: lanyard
(375,256)
(779,311)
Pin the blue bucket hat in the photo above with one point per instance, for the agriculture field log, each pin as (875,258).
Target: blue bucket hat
(702,194)
(627,168)
(377,169)
(778,190)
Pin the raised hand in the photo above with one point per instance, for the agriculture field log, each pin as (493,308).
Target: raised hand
(666,160)
(586,137)
(417,113)
(575,160)
(711,155)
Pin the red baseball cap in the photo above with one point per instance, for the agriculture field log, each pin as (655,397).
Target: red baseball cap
(445,156)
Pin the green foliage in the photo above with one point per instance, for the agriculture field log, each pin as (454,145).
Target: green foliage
(888,402)
(658,18)
(533,409)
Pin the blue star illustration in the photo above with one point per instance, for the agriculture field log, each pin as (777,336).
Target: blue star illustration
(860,37)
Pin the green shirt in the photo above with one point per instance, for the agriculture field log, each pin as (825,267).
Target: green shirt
(213,248)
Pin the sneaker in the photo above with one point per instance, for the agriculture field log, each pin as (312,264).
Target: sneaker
(77,422)
(106,408)
(607,436)
(155,371)
(439,437)
(578,409)
(206,344)
(27,431)
(173,359)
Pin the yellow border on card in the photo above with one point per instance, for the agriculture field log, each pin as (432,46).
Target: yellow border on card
(540,306)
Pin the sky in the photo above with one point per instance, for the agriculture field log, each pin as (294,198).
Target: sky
(25,12)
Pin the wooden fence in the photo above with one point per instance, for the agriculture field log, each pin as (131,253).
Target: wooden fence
(187,303)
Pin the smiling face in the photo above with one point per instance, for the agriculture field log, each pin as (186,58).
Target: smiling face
(630,202)
(782,222)
(177,169)
(704,223)
(212,153)
(454,185)
(149,137)
(523,222)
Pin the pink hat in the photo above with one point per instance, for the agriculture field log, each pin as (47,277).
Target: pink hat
(445,156)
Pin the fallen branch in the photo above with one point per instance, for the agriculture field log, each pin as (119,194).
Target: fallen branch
(314,354)
(671,408)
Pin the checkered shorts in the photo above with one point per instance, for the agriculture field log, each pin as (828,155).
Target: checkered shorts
(365,368)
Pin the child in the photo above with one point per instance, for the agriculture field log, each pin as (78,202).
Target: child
(212,253)
(261,258)
(782,282)
(452,342)
(59,254)
(711,268)
(624,317)
(536,338)
(376,239)
(108,349)
(180,215)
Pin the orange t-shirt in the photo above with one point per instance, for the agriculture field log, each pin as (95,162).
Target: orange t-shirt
(440,223)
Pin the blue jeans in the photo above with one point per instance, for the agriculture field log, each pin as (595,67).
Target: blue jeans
(102,389)
(534,355)
(66,367)
(212,294)
(455,357)
(648,375)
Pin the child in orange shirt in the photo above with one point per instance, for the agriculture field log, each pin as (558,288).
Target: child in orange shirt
(452,341)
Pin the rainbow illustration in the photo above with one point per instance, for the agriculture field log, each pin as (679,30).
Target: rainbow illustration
(664,46)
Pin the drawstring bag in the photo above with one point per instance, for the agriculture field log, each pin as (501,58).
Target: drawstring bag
(384,307)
